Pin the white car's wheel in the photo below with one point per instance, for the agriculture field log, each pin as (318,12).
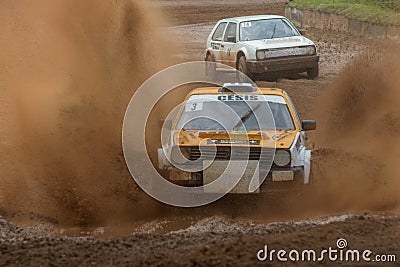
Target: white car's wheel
(242,67)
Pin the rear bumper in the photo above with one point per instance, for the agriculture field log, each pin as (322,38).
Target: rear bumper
(294,63)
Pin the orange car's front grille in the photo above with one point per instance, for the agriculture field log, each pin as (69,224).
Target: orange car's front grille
(229,152)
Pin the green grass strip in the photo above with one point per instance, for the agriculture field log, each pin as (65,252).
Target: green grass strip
(378,11)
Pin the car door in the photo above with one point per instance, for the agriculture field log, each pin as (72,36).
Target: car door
(216,41)
(228,49)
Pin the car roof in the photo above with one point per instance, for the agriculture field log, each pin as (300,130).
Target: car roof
(217,90)
(249,18)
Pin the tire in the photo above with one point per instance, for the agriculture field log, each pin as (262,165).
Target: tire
(209,58)
(242,67)
(313,73)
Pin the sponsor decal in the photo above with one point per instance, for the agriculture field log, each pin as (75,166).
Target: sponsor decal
(233,142)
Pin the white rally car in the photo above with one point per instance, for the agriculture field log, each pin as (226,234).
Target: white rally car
(259,45)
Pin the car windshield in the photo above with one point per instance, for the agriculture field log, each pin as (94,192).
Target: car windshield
(266,29)
(236,113)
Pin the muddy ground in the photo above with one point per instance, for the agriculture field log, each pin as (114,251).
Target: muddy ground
(232,231)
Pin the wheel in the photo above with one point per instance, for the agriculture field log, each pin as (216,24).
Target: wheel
(313,73)
(242,67)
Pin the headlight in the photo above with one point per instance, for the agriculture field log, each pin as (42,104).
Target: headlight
(282,158)
(179,155)
(260,54)
(311,50)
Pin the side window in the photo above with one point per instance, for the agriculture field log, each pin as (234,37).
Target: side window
(219,31)
(230,33)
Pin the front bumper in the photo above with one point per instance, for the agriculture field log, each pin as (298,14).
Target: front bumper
(282,64)
(269,184)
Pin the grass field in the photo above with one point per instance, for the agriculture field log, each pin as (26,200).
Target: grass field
(378,11)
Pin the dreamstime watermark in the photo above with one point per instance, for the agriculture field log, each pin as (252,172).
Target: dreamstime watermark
(134,141)
(340,253)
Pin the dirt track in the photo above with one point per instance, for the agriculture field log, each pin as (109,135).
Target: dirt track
(219,234)
(214,241)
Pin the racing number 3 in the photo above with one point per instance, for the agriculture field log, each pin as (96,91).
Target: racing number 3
(196,106)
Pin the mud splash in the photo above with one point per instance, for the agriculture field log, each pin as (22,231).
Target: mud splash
(359,135)
(65,80)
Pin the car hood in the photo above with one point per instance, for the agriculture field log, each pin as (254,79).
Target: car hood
(292,41)
(268,139)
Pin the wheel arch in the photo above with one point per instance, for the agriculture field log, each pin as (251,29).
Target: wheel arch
(209,53)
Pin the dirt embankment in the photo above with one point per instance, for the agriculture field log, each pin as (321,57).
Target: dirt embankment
(68,70)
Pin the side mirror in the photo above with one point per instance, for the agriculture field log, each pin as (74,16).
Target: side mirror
(302,31)
(166,124)
(308,125)
(231,39)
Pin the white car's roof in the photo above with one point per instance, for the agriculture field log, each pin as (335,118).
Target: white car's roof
(256,17)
